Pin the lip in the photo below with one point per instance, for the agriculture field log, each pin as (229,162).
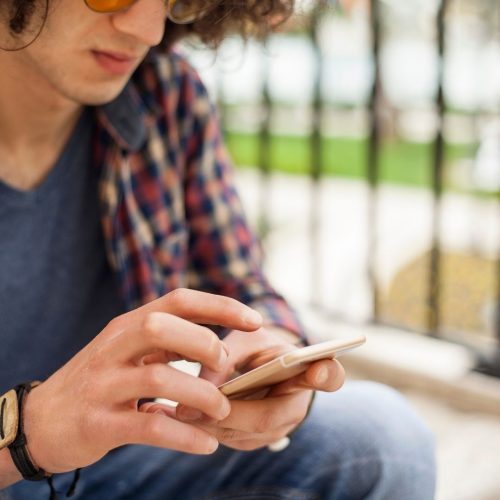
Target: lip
(115,63)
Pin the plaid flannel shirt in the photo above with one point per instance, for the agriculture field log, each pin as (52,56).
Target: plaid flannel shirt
(170,214)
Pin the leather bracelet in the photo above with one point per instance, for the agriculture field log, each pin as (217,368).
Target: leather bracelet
(18,448)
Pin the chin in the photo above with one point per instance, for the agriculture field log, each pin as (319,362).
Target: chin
(96,94)
(101,97)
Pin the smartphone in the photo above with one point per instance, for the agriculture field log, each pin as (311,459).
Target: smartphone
(286,366)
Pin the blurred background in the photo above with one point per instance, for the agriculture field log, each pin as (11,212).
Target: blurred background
(366,135)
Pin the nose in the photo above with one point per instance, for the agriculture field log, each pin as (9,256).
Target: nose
(144,20)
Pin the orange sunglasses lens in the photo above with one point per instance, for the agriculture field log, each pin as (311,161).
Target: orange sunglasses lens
(108,5)
(179,11)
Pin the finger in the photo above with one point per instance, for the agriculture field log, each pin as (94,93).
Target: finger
(161,409)
(161,431)
(201,307)
(165,332)
(230,436)
(264,415)
(163,381)
(159,357)
(245,355)
(254,443)
(326,375)
(247,445)
(215,377)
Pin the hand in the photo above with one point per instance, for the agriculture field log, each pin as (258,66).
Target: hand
(89,406)
(257,423)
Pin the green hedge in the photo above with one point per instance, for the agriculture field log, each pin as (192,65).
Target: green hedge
(401,162)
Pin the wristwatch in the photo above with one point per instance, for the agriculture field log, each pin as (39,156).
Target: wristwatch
(9,418)
(12,431)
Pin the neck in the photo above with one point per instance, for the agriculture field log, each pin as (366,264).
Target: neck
(35,123)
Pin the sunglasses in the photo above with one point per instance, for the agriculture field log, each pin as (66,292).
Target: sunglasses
(179,11)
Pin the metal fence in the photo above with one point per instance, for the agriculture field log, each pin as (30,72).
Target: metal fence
(438,270)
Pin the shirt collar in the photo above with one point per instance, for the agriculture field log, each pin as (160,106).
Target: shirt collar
(128,117)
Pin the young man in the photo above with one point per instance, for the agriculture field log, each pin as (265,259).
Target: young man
(121,236)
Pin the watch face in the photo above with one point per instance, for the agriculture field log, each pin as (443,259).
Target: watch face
(9,418)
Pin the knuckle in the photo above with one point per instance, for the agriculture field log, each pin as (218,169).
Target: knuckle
(156,428)
(213,397)
(213,343)
(176,298)
(115,323)
(119,322)
(152,325)
(154,376)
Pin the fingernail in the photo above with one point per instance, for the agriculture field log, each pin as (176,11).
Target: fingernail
(252,317)
(212,444)
(189,414)
(322,376)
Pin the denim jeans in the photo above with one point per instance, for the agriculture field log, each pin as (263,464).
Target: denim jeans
(362,442)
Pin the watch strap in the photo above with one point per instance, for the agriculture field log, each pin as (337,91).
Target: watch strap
(18,448)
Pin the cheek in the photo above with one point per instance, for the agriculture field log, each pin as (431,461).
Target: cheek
(70,25)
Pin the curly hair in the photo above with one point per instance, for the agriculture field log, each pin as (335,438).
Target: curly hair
(20,13)
(247,18)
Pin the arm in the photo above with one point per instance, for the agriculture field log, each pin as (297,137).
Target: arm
(224,255)
(90,405)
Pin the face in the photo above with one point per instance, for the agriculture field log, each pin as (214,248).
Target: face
(88,57)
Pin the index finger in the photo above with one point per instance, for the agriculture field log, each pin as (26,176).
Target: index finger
(204,308)
(163,332)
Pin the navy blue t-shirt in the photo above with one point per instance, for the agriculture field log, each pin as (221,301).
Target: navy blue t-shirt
(57,290)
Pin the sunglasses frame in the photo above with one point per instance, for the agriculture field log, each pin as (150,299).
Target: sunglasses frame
(128,3)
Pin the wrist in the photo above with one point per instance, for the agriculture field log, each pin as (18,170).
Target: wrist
(32,421)
(8,471)
(13,442)
(19,451)
(36,436)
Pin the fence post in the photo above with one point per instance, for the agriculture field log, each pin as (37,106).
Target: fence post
(433,319)
(373,158)
(316,158)
(264,153)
